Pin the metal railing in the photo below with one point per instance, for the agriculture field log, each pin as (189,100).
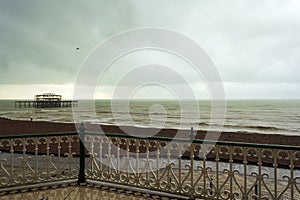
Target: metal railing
(195,169)
(38,159)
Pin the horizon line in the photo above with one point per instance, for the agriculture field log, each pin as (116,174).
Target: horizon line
(166,99)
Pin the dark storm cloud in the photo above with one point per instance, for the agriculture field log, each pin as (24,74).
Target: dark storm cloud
(38,39)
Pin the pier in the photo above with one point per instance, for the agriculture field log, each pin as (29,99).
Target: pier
(46,100)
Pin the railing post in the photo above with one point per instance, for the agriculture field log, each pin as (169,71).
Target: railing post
(81,175)
(192,134)
(192,137)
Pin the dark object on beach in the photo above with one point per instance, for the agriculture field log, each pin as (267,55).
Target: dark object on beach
(44,199)
(77,48)
(31,119)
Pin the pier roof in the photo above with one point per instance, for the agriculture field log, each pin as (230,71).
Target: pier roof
(48,96)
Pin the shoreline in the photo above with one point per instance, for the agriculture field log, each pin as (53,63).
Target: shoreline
(17,127)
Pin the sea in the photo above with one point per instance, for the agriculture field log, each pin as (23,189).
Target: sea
(253,116)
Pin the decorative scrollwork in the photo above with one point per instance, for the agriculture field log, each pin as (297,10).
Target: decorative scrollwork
(194,170)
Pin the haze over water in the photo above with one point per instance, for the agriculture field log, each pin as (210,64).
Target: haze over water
(259,116)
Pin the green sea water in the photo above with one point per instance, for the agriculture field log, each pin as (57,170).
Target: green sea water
(259,116)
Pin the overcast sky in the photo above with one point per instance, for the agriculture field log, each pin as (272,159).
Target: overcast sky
(254,44)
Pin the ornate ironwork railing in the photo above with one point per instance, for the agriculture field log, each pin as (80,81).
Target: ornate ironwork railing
(186,167)
(38,159)
(222,170)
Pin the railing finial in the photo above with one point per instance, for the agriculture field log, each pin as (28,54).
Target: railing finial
(82,128)
(192,134)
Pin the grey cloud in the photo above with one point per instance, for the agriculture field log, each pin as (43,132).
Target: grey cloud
(38,37)
(250,41)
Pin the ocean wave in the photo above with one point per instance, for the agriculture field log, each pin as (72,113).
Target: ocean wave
(52,111)
(256,127)
(203,124)
(249,127)
(259,116)
(100,121)
(145,126)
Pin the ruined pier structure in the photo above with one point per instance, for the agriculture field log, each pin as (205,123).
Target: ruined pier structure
(46,100)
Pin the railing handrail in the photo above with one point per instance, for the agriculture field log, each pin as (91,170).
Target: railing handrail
(37,135)
(168,139)
(223,143)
